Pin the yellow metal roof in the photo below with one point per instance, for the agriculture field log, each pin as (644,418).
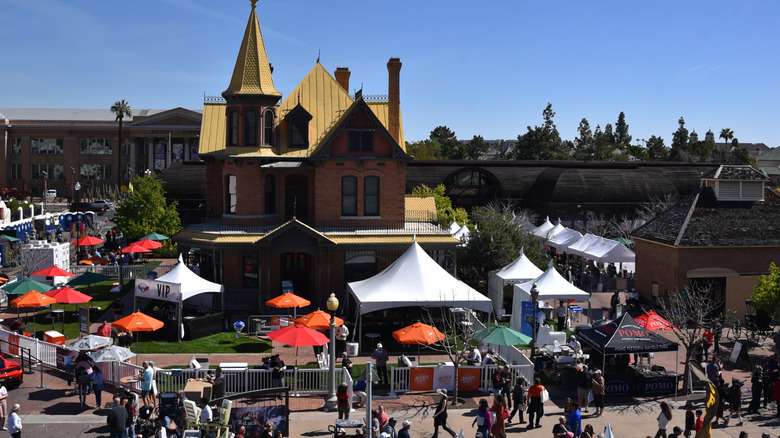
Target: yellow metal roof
(418,207)
(322,97)
(217,238)
(391,239)
(201,238)
(212,128)
(380,109)
(252,73)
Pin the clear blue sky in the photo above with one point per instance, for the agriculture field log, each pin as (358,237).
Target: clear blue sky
(486,68)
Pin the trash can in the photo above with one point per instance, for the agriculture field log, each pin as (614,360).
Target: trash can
(352,349)
(54,337)
(569,378)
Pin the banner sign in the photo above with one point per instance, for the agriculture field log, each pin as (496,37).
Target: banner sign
(421,379)
(444,377)
(527,318)
(158,290)
(468,379)
(84,321)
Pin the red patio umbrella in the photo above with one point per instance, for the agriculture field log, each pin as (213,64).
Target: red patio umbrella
(148,243)
(66,295)
(135,247)
(318,320)
(653,321)
(87,241)
(298,335)
(53,271)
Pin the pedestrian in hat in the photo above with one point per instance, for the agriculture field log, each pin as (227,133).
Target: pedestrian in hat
(346,362)
(404,432)
(440,417)
(390,428)
(15,422)
(381,357)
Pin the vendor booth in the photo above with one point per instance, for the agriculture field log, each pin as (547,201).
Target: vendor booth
(625,336)
(561,240)
(543,229)
(176,287)
(519,271)
(414,279)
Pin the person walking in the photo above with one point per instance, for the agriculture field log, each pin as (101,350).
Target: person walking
(15,422)
(574,424)
(584,383)
(663,420)
(440,416)
(342,396)
(598,389)
(735,401)
(117,419)
(757,385)
(381,357)
(483,420)
(97,385)
(535,405)
(404,432)
(3,407)
(560,313)
(502,413)
(519,398)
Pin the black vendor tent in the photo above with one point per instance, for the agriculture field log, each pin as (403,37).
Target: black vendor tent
(624,335)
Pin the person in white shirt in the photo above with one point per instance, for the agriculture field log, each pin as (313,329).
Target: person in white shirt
(489,359)
(560,312)
(474,357)
(575,345)
(205,411)
(15,422)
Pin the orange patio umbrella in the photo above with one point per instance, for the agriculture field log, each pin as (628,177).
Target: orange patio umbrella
(318,320)
(85,262)
(420,334)
(288,300)
(97,260)
(138,322)
(33,299)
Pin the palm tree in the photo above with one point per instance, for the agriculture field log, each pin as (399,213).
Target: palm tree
(121,108)
(726,134)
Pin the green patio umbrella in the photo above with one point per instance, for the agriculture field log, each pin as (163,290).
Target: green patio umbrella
(7,238)
(24,286)
(154,236)
(501,335)
(88,278)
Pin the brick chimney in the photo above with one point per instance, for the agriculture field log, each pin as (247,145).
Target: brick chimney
(394,99)
(342,77)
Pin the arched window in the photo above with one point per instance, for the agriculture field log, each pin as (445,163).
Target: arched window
(232,139)
(371,196)
(230,194)
(250,128)
(268,128)
(349,196)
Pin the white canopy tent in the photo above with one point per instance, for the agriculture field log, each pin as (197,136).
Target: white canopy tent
(558,228)
(543,229)
(562,240)
(454,227)
(609,251)
(579,247)
(415,279)
(462,234)
(551,286)
(520,270)
(178,285)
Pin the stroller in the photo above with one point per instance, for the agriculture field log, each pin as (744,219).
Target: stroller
(144,426)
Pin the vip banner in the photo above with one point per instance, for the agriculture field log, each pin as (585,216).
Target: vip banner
(158,290)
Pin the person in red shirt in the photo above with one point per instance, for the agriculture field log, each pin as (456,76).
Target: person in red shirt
(535,404)
(699,420)
(709,337)
(104,330)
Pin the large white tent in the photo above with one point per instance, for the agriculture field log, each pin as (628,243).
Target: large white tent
(551,286)
(520,270)
(579,247)
(609,251)
(563,239)
(178,285)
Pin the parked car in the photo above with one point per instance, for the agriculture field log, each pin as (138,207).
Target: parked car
(104,203)
(87,206)
(10,372)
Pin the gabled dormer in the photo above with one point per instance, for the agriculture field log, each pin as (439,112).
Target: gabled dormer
(251,97)
(297,124)
(737,183)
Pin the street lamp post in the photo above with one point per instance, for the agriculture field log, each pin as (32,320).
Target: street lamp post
(331,401)
(45,189)
(535,298)
(76,188)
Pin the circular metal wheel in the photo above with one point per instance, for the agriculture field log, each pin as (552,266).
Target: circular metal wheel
(736,329)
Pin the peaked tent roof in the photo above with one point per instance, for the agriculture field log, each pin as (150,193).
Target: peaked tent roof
(415,279)
(543,229)
(610,251)
(552,285)
(191,283)
(624,335)
(562,240)
(579,247)
(252,73)
(557,229)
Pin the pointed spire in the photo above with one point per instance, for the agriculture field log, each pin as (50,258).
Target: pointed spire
(252,73)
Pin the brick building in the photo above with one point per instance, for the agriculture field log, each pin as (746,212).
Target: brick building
(724,234)
(308,189)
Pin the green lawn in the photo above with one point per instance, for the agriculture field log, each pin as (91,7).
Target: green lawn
(224,342)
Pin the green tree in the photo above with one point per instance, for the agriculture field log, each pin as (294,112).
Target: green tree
(656,149)
(542,142)
(726,134)
(424,150)
(621,130)
(583,143)
(146,210)
(444,209)
(448,143)
(120,109)
(766,293)
(680,147)
(603,143)
(476,147)
(496,240)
